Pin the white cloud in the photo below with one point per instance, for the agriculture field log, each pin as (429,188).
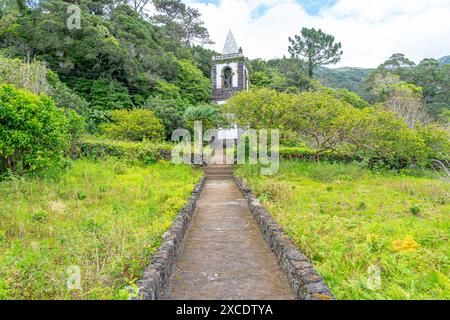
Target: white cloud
(370,31)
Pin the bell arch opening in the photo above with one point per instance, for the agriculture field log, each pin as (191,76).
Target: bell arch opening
(227,77)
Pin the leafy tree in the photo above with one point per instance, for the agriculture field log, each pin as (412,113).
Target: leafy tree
(169,111)
(166,90)
(315,48)
(138,5)
(260,79)
(194,86)
(351,98)
(76,125)
(381,137)
(202,58)
(65,97)
(135,125)
(406,101)
(106,95)
(109,94)
(428,74)
(181,22)
(435,81)
(380,85)
(30,76)
(283,75)
(34,132)
(321,117)
(437,142)
(259,109)
(257,65)
(293,71)
(343,94)
(397,64)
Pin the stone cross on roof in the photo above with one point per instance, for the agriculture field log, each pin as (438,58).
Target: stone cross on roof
(230,46)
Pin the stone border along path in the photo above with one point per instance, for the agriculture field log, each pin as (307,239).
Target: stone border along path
(223,255)
(157,274)
(306,283)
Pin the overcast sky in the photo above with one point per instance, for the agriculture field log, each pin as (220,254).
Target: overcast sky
(369,30)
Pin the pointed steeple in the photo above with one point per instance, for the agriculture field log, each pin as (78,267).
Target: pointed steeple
(230,46)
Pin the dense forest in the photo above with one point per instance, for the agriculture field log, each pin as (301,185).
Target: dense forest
(119,58)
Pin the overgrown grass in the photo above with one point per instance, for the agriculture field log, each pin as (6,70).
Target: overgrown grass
(105,218)
(352,223)
(124,143)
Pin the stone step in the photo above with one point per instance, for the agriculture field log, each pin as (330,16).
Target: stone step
(230,177)
(219,166)
(218,171)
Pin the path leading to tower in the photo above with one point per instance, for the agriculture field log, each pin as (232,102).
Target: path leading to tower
(225,255)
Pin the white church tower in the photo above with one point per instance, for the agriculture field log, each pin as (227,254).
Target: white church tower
(229,74)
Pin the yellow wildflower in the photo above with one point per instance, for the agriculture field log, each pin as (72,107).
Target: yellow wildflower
(407,244)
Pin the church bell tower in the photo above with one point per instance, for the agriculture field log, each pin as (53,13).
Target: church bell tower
(228,73)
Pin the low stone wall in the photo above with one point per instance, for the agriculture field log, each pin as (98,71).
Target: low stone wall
(157,274)
(306,283)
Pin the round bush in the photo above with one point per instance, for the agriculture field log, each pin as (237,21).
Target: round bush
(33,131)
(135,125)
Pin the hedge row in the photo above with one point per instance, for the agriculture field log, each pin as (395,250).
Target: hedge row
(374,162)
(97,148)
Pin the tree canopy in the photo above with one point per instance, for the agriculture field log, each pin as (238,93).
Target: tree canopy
(120,56)
(315,48)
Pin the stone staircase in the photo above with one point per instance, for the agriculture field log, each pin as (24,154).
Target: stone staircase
(218,172)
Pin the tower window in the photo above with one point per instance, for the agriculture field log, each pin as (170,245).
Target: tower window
(227,77)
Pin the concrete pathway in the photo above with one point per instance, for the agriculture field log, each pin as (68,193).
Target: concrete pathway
(225,256)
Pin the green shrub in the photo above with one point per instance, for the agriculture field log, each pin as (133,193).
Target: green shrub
(321,117)
(209,116)
(383,139)
(169,111)
(39,216)
(415,211)
(98,148)
(194,86)
(134,125)
(437,142)
(76,127)
(260,109)
(34,132)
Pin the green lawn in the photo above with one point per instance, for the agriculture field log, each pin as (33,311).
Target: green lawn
(105,218)
(354,224)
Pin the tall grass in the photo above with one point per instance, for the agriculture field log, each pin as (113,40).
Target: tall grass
(104,218)
(356,224)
